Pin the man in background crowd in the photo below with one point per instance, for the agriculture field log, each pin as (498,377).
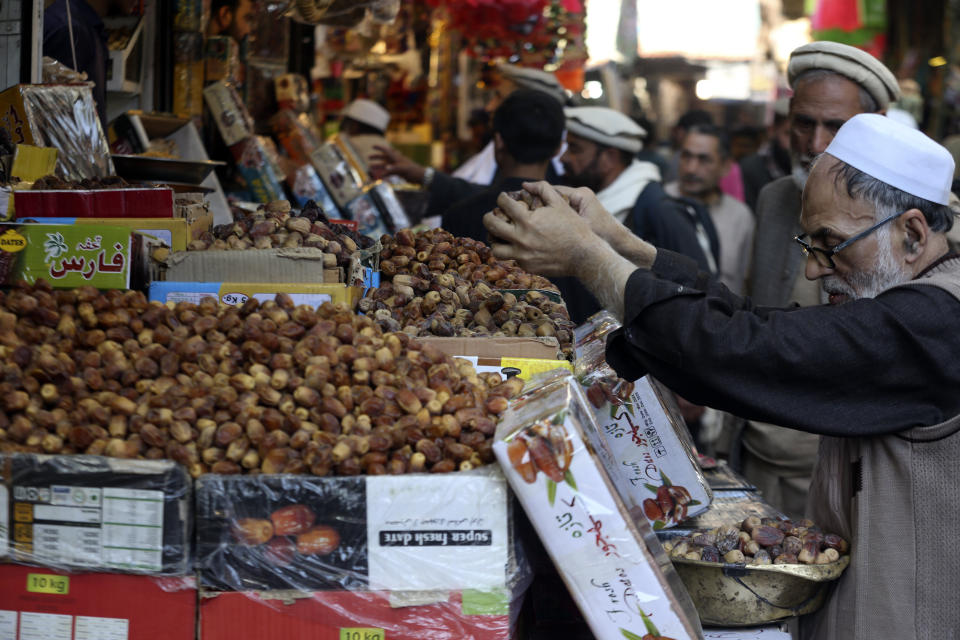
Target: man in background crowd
(601,145)
(482,168)
(364,122)
(75,36)
(527,131)
(234,18)
(772,161)
(704,159)
(831,83)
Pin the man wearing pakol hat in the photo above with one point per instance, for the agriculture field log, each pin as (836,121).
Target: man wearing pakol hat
(363,123)
(831,83)
(482,167)
(875,372)
(601,147)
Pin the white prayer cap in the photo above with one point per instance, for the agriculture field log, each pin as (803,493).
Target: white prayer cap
(527,78)
(895,154)
(368,112)
(852,63)
(605,126)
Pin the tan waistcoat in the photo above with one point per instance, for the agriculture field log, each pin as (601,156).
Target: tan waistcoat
(897,499)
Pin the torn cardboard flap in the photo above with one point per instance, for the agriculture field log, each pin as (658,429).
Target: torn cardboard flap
(302,265)
(498,347)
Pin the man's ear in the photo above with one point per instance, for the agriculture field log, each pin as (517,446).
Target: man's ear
(498,143)
(916,234)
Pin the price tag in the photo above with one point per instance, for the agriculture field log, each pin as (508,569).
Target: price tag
(48,583)
(354,633)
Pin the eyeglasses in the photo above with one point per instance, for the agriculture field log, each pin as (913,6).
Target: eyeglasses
(824,257)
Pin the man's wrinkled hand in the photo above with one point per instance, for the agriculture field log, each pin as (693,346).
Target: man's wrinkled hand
(585,203)
(546,240)
(386,161)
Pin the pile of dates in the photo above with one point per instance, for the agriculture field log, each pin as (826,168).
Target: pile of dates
(274,226)
(436,284)
(759,541)
(259,388)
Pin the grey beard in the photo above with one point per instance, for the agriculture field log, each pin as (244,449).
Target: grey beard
(799,175)
(886,273)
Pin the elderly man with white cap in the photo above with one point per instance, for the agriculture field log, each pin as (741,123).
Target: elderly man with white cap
(601,147)
(875,372)
(831,83)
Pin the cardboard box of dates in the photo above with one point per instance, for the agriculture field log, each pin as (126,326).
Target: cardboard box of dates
(613,565)
(415,532)
(52,605)
(355,615)
(642,438)
(95,513)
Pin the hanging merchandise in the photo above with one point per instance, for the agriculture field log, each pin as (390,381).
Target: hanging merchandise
(860,23)
(345,13)
(538,32)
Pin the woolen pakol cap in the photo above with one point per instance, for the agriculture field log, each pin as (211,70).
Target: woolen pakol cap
(368,112)
(850,62)
(536,79)
(605,126)
(895,154)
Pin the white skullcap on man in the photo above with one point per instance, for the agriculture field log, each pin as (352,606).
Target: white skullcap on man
(854,64)
(605,126)
(367,112)
(895,154)
(527,78)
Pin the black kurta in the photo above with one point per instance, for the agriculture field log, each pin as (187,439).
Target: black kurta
(867,367)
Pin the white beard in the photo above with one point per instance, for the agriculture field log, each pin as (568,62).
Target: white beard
(886,272)
(798,172)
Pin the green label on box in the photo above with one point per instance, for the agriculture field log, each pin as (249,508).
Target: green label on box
(48,583)
(485,603)
(66,256)
(361,633)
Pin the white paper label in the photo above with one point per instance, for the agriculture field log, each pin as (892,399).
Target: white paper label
(437,532)
(604,565)
(93,527)
(91,628)
(312,299)
(8,625)
(45,626)
(195,297)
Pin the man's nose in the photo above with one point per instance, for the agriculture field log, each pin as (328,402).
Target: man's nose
(822,136)
(813,270)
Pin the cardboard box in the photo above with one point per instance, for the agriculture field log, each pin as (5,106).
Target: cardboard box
(353,615)
(67,256)
(98,513)
(646,447)
(529,355)
(172,232)
(298,265)
(38,604)
(614,567)
(415,532)
(237,293)
(100,203)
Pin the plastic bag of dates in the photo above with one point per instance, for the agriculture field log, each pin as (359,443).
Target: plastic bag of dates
(615,568)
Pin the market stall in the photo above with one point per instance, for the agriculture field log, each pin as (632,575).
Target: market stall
(276,405)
